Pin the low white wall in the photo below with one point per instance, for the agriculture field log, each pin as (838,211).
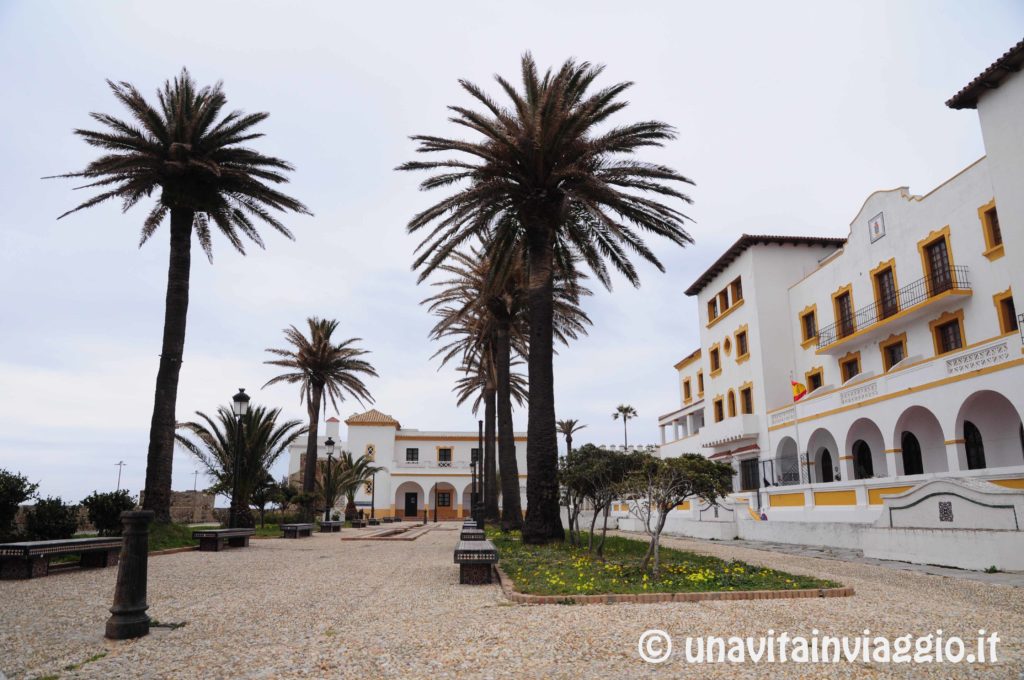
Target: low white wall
(833,534)
(962,548)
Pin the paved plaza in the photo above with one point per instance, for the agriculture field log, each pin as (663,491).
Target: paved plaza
(324,608)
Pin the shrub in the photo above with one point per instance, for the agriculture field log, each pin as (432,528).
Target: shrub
(15,489)
(105,510)
(50,519)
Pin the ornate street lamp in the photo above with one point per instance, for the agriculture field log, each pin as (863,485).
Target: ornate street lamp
(240,407)
(329,445)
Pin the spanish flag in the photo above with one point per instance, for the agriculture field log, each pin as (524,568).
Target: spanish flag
(798,390)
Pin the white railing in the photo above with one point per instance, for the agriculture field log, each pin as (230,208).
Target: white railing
(432,464)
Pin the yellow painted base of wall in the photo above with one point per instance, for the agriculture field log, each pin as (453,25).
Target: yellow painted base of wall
(683,506)
(1009,483)
(875,495)
(786,500)
(848,497)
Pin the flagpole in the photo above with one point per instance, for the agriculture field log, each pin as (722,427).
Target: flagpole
(801,454)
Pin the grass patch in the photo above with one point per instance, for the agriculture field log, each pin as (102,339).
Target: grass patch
(167,536)
(76,666)
(563,569)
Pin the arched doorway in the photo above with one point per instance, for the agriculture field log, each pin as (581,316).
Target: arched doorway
(862,467)
(924,451)
(911,454)
(409,500)
(787,464)
(988,425)
(443,499)
(864,444)
(825,465)
(823,452)
(974,446)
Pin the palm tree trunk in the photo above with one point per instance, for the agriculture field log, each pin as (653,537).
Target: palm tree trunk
(511,504)
(543,517)
(625,438)
(490,456)
(568,444)
(309,470)
(160,457)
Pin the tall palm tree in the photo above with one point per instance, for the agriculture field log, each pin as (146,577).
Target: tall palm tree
(320,366)
(626,413)
(544,161)
(568,428)
(203,175)
(213,440)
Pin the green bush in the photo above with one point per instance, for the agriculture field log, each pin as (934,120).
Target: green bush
(105,510)
(15,489)
(50,519)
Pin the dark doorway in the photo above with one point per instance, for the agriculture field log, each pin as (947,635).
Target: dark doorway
(410,503)
(826,466)
(748,474)
(862,467)
(912,463)
(975,447)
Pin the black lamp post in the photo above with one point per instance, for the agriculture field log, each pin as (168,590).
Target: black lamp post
(435,502)
(478,501)
(239,406)
(329,445)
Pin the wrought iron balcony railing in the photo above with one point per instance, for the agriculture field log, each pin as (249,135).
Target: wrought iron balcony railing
(911,295)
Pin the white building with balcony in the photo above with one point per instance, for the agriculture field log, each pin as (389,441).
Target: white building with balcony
(907,338)
(422,471)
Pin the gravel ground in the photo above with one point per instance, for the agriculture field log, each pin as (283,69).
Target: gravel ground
(324,608)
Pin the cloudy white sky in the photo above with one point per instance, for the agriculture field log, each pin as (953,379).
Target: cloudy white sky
(789,115)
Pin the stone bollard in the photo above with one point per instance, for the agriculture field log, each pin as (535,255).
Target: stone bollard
(129,618)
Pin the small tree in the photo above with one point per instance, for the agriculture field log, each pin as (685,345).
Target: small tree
(285,495)
(604,474)
(571,478)
(657,485)
(266,491)
(50,519)
(105,510)
(15,489)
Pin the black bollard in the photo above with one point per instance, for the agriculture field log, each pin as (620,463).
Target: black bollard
(129,618)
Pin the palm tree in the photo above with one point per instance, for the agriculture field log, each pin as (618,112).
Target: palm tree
(321,366)
(485,309)
(203,176)
(353,473)
(543,161)
(569,428)
(213,440)
(330,483)
(627,413)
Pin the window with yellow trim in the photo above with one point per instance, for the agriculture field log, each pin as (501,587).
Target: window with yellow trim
(742,346)
(712,309)
(700,383)
(719,405)
(736,288)
(1005,311)
(723,300)
(732,404)
(809,325)
(687,396)
(849,366)
(948,332)
(991,231)
(747,399)
(883,278)
(715,360)
(893,349)
(815,378)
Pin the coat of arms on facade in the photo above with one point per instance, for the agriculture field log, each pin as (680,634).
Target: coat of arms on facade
(876,227)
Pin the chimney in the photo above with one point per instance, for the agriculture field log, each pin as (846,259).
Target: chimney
(332,428)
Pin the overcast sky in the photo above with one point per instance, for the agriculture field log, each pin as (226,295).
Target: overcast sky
(789,114)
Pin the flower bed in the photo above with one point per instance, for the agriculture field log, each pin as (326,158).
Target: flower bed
(563,569)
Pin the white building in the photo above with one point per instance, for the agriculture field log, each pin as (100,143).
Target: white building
(421,470)
(905,334)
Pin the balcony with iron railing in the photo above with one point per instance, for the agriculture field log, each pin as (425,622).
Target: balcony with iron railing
(432,464)
(904,304)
